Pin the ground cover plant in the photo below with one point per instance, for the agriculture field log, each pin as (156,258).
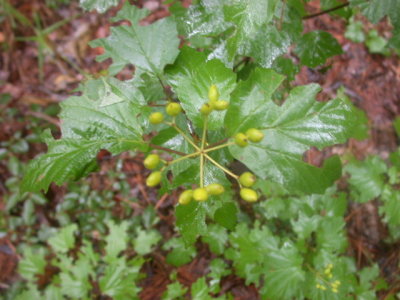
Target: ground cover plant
(211,111)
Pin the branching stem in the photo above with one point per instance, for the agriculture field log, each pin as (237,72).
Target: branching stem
(167,149)
(188,139)
(203,142)
(326,11)
(218,147)
(194,154)
(221,167)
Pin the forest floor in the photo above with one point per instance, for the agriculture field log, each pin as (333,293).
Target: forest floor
(372,81)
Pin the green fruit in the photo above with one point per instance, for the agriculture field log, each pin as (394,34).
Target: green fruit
(254,135)
(154,179)
(156,118)
(185,197)
(200,194)
(247,179)
(213,93)
(241,139)
(248,195)
(151,162)
(206,109)
(173,109)
(215,189)
(221,105)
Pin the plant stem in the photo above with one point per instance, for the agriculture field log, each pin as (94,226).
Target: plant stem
(194,154)
(218,147)
(188,139)
(218,143)
(164,88)
(282,15)
(326,11)
(221,167)
(167,149)
(203,142)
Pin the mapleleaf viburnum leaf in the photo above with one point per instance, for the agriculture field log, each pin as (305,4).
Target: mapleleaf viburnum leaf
(366,178)
(315,47)
(375,10)
(191,78)
(289,130)
(88,125)
(190,221)
(149,48)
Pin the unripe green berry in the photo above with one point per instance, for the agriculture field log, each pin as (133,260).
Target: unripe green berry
(241,139)
(200,194)
(206,109)
(248,195)
(254,135)
(215,189)
(154,179)
(213,93)
(151,162)
(247,179)
(185,197)
(173,109)
(220,105)
(156,118)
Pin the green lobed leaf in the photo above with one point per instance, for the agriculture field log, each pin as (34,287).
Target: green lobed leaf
(190,221)
(116,240)
(199,290)
(205,18)
(72,286)
(269,44)
(366,177)
(226,215)
(149,48)
(376,43)
(89,123)
(391,206)
(145,241)
(250,100)
(315,47)
(191,78)
(216,238)
(375,10)
(284,274)
(118,281)
(330,234)
(218,269)
(249,19)
(354,32)
(181,253)
(32,264)
(99,5)
(64,240)
(174,291)
(291,129)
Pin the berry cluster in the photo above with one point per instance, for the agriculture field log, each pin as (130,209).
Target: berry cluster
(245,180)
(325,280)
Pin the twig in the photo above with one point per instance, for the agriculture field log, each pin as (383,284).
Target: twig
(217,143)
(167,149)
(43,116)
(282,14)
(326,11)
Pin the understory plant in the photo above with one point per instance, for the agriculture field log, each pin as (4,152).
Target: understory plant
(212,107)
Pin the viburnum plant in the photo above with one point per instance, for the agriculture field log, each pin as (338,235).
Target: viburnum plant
(245,181)
(212,108)
(216,99)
